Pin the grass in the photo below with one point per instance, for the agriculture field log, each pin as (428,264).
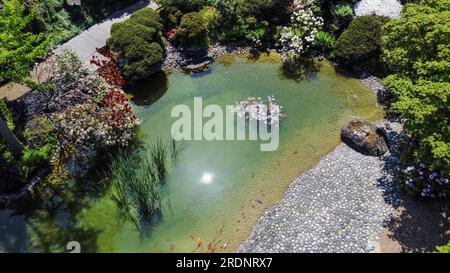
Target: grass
(158,153)
(136,188)
(137,177)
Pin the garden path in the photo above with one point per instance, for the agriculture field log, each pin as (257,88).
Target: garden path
(84,44)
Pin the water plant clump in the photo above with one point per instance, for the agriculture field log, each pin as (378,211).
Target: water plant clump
(158,153)
(136,188)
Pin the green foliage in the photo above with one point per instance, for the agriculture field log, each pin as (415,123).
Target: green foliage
(325,42)
(416,48)
(184,6)
(425,107)
(158,153)
(33,159)
(135,188)
(418,43)
(19,46)
(211,16)
(56,17)
(138,43)
(6,115)
(444,248)
(342,14)
(193,30)
(360,45)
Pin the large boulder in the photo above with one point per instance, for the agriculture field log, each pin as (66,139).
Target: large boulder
(363,137)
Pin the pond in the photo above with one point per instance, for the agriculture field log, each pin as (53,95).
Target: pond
(218,189)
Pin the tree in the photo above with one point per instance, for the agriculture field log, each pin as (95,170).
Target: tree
(19,47)
(416,48)
(418,43)
(193,30)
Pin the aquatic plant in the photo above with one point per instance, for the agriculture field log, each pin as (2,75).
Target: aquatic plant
(176,147)
(135,188)
(158,154)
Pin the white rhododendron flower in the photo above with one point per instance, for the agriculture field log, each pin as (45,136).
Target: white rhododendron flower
(388,8)
(297,38)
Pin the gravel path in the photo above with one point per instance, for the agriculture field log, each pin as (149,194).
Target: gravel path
(341,205)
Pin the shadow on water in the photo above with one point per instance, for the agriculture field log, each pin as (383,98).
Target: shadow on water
(299,69)
(48,219)
(148,91)
(201,74)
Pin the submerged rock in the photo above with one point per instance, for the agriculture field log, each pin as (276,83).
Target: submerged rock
(363,137)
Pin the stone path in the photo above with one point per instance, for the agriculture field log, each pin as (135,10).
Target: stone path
(341,205)
(84,44)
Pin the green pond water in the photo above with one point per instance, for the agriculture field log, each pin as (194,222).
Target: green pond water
(216,213)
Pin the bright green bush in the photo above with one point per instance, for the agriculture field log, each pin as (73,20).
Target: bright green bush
(325,42)
(360,45)
(19,46)
(444,249)
(418,43)
(342,14)
(193,30)
(138,43)
(6,115)
(212,19)
(416,48)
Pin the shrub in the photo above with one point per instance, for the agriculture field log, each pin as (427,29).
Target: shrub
(325,42)
(211,16)
(342,16)
(93,126)
(33,160)
(193,30)
(138,44)
(360,45)
(298,38)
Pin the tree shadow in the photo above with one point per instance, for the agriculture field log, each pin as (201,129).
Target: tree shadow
(418,225)
(149,91)
(299,69)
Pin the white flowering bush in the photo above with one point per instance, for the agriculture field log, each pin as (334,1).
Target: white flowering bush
(388,8)
(87,112)
(300,36)
(90,126)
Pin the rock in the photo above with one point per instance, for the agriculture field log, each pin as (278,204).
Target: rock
(363,137)
(196,68)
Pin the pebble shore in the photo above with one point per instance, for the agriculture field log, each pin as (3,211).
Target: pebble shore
(341,205)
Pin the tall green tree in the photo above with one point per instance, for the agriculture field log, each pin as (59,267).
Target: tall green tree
(19,47)
(417,44)
(416,48)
